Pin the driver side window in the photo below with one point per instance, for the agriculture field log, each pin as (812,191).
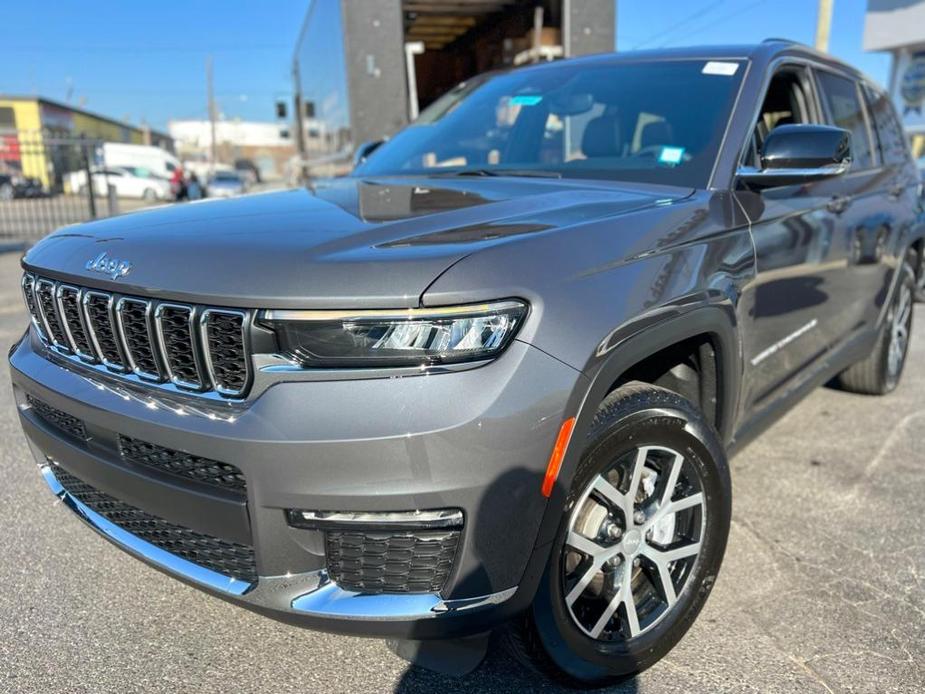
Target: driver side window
(786,102)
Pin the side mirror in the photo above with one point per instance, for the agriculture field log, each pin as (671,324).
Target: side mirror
(364,150)
(795,154)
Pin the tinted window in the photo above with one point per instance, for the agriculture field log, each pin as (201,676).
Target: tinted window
(840,96)
(659,122)
(890,133)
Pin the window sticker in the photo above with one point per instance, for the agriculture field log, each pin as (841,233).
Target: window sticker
(525,100)
(718,67)
(671,156)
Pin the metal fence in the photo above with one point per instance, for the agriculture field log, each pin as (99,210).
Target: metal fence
(43,184)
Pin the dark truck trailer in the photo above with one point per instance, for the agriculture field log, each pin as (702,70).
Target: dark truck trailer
(363,68)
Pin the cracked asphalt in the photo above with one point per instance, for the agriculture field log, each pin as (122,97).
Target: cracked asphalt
(822,590)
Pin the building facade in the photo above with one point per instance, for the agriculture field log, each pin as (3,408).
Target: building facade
(898,27)
(269,146)
(362,69)
(33,131)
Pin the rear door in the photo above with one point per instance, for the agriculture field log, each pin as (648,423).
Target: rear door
(901,182)
(869,219)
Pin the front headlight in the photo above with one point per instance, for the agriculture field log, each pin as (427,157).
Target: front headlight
(411,337)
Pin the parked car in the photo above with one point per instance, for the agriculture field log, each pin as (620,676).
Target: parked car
(248,170)
(16,186)
(224,184)
(129,182)
(491,380)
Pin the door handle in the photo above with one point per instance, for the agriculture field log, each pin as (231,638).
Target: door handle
(838,204)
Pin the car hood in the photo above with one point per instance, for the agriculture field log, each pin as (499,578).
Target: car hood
(344,243)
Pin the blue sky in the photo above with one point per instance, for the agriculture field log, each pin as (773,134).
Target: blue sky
(137,61)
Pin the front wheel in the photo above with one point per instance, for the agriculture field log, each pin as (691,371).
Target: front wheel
(639,546)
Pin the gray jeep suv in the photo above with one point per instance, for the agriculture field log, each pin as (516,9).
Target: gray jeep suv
(490,380)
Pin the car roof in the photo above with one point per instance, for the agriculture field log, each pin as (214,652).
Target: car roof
(761,54)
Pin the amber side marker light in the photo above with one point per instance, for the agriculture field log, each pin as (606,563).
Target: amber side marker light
(558,453)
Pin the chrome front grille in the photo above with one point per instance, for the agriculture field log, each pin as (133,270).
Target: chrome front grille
(193,348)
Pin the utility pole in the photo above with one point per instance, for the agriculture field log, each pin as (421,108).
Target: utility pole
(824,25)
(211,113)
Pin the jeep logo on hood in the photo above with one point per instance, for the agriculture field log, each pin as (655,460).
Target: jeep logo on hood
(109,266)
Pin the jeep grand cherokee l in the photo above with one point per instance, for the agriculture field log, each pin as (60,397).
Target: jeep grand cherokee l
(490,380)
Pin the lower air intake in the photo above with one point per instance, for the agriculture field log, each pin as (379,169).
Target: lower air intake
(391,561)
(221,556)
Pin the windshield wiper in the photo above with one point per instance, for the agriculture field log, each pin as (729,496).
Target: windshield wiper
(526,173)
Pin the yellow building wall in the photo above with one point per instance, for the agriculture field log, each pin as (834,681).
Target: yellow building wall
(104,130)
(29,127)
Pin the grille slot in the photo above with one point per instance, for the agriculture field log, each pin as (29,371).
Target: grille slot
(132,315)
(391,562)
(58,419)
(224,557)
(211,472)
(69,310)
(175,332)
(226,353)
(192,348)
(28,293)
(45,296)
(97,307)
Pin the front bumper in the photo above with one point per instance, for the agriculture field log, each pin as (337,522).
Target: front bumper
(475,440)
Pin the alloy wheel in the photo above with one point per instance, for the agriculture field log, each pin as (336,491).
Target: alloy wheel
(634,536)
(900,323)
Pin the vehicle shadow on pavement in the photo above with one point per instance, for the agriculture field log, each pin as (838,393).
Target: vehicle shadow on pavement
(499,672)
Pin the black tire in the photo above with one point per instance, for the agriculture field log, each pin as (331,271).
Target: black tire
(549,638)
(878,374)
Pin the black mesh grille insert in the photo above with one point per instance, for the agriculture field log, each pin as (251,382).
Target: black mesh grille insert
(221,556)
(391,562)
(137,338)
(28,288)
(70,305)
(58,419)
(174,323)
(45,294)
(101,325)
(225,338)
(193,467)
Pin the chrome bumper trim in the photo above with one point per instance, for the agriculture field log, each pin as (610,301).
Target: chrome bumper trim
(324,599)
(145,550)
(329,600)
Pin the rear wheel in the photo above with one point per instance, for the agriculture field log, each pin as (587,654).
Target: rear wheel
(639,546)
(879,373)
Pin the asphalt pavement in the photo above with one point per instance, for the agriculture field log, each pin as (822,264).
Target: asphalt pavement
(822,590)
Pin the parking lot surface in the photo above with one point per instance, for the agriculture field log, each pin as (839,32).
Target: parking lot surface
(822,590)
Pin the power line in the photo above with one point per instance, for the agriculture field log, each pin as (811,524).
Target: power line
(674,27)
(722,20)
(58,48)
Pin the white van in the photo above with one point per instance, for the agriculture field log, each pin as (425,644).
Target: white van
(153,160)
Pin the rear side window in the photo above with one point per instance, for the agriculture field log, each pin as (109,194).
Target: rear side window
(841,98)
(890,134)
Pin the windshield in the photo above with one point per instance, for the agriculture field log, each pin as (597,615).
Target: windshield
(657,122)
(226,177)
